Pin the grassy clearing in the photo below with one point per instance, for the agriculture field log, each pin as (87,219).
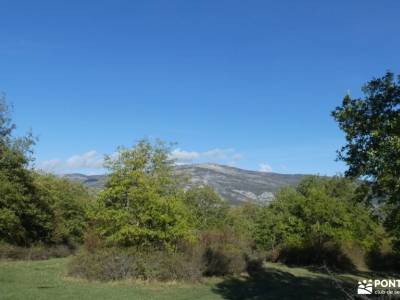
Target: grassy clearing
(47,280)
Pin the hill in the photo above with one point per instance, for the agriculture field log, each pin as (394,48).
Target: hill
(234,184)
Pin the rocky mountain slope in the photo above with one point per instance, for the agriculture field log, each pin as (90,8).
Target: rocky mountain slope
(234,184)
(238,185)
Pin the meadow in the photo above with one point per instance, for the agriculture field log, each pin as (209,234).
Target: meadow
(47,279)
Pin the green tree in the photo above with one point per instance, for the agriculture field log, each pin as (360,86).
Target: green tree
(24,217)
(242,218)
(314,214)
(142,204)
(207,209)
(372,128)
(69,202)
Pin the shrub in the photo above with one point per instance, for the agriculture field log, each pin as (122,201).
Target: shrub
(328,254)
(221,262)
(115,263)
(254,264)
(272,255)
(37,252)
(103,265)
(319,222)
(223,253)
(216,254)
(92,240)
(384,258)
(165,266)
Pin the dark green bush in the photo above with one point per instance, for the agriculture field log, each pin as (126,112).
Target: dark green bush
(223,261)
(254,264)
(384,258)
(328,254)
(223,252)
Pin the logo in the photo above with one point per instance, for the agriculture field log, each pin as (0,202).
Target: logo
(388,286)
(364,287)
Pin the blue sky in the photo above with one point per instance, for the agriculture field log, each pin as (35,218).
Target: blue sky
(246,83)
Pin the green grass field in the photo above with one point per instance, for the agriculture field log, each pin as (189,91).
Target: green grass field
(48,280)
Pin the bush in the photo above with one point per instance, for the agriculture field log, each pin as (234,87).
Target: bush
(328,254)
(272,255)
(317,223)
(38,252)
(223,253)
(222,262)
(171,266)
(216,254)
(103,265)
(254,264)
(115,263)
(384,258)
(92,240)
(379,261)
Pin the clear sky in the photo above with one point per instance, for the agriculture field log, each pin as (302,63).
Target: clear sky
(246,83)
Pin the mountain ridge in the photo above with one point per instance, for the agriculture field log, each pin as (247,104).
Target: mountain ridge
(233,184)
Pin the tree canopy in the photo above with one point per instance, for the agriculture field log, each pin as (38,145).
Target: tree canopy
(207,209)
(142,204)
(35,208)
(24,217)
(315,213)
(372,128)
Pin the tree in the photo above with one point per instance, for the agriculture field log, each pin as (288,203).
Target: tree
(24,217)
(242,218)
(314,214)
(372,128)
(69,202)
(142,204)
(208,209)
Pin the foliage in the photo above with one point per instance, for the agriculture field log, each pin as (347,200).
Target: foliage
(68,202)
(243,218)
(35,252)
(142,204)
(24,217)
(121,263)
(34,208)
(383,259)
(224,252)
(372,128)
(207,209)
(216,253)
(316,214)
